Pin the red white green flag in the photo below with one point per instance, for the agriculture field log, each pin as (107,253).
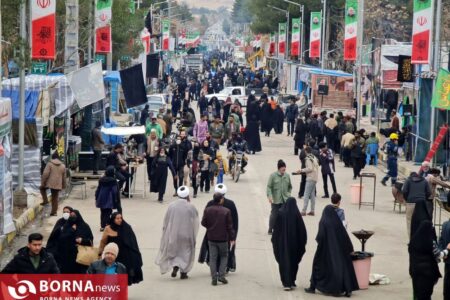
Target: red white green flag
(351,26)
(315,34)
(295,41)
(422,30)
(103,16)
(145,39)
(192,39)
(165,34)
(43,29)
(281,38)
(273,41)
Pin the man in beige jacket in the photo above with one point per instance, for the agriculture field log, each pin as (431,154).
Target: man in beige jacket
(53,178)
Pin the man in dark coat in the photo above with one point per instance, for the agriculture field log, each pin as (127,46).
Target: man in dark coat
(291,116)
(204,251)
(178,153)
(289,241)
(333,243)
(144,115)
(326,160)
(32,259)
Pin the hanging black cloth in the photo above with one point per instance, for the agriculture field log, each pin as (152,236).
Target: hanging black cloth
(333,271)
(289,240)
(152,65)
(133,86)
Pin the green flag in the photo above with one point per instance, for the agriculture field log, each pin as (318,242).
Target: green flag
(441,95)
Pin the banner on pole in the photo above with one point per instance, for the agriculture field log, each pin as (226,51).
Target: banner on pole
(315,34)
(43,29)
(351,28)
(165,34)
(422,30)
(281,38)
(145,38)
(272,43)
(103,16)
(295,41)
(405,69)
(441,95)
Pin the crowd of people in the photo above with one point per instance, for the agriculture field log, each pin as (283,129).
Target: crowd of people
(193,149)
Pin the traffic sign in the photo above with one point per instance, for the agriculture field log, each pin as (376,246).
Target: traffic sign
(39,68)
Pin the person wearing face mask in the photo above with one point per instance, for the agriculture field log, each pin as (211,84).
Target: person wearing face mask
(107,196)
(74,232)
(158,178)
(120,232)
(52,242)
(178,153)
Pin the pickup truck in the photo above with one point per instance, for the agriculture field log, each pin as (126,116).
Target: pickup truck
(239,93)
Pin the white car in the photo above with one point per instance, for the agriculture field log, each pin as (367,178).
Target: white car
(154,101)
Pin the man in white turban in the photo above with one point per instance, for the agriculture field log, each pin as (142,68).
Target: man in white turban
(177,249)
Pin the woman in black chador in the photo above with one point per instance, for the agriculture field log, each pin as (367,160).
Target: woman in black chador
(289,241)
(423,253)
(158,176)
(332,271)
(251,133)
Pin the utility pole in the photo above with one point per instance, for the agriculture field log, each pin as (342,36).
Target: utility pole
(20,195)
(1,65)
(90,26)
(302,40)
(322,51)
(287,35)
(436,59)
(360,36)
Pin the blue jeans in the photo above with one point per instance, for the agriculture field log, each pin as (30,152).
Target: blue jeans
(310,195)
(220,177)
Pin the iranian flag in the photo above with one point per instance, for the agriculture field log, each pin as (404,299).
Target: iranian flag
(193,39)
(281,38)
(422,30)
(103,15)
(165,34)
(315,34)
(145,38)
(43,29)
(351,25)
(295,41)
(272,43)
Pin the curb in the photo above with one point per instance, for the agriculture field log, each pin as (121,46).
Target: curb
(23,220)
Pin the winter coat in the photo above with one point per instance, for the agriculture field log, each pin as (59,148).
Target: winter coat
(292,112)
(21,263)
(416,189)
(200,130)
(99,267)
(54,176)
(107,194)
(312,168)
(97,140)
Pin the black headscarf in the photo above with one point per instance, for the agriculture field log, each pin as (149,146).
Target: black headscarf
(421,213)
(289,240)
(333,271)
(129,253)
(421,258)
(52,242)
(83,230)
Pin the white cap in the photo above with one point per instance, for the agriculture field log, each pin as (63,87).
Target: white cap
(183,192)
(220,188)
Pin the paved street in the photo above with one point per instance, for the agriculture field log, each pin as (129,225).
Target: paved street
(257,272)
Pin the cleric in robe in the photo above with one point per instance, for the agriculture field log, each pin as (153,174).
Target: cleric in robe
(180,228)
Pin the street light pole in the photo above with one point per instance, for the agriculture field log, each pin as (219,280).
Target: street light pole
(322,51)
(20,194)
(302,11)
(360,35)
(437,47)
(1,73)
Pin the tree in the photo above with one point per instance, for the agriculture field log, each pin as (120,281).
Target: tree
(241,13)
(204,21)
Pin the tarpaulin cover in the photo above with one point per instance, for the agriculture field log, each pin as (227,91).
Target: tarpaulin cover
(60,93)
(133,86)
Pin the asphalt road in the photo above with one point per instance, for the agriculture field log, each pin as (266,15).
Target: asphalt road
(257,275)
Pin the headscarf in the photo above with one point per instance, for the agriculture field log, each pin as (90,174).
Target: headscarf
(421,213)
